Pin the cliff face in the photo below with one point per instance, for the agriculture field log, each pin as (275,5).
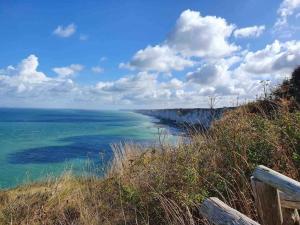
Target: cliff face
(195,116)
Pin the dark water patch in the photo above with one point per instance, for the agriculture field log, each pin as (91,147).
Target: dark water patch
(90,147)
(36,143)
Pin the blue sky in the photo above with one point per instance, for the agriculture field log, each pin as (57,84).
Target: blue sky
(143,54)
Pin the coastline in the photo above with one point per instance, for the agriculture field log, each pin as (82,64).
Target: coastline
(186,120)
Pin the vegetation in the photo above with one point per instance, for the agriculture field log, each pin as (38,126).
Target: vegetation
(165,184)
(290,89)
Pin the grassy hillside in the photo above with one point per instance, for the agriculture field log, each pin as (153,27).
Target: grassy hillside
(165,184)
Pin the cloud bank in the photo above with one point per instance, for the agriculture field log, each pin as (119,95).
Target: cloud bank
(201,48)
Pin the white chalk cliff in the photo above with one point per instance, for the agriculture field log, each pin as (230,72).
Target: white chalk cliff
(195,116)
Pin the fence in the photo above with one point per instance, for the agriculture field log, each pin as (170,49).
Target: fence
(277,198)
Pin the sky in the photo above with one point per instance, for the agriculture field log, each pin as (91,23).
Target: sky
(116,54)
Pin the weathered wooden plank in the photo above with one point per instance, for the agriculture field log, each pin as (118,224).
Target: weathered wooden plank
(277,180)
(289,201)
(267,203)
(257,202)
(217,212)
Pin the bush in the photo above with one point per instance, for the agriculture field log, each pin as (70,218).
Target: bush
(295,83)
(289,89)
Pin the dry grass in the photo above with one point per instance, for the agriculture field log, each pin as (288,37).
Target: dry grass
(166,183)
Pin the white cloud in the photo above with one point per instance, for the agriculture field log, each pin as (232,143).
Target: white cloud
(274,58)
(23,77)
(254,31)
(217,78)
(97,69)
(194,35)
(286,9)
(202,36)
(27,70)
(65,32)
(174,83)
(68,70)
(141,81)
(141,88)
(144,90)
(24,85)
(157,58)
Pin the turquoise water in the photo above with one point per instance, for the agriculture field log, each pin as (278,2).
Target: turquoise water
(37,143)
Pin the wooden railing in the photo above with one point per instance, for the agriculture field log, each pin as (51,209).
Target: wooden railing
(277,198)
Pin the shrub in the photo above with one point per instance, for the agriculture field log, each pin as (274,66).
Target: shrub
(290,88)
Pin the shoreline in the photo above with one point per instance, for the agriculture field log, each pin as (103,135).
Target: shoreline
(185,120)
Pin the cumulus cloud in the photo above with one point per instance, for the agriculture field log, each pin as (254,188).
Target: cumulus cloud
(144,90)
(194,35)
(242,75)
(214,78)
(133,83)
(202,36)
(23,77)
(27,70)
(174,83)
(254,31)
(24,85)
(65,32)
(157,58)
(218,78)
(279,57)
(67,71)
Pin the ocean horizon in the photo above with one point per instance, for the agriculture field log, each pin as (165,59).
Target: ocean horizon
(38,143)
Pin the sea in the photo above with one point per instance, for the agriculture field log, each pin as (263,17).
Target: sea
(36,144)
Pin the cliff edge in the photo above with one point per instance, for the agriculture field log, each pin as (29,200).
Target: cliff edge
(186,116)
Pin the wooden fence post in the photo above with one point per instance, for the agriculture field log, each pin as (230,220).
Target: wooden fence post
(267,202)
(277,198)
